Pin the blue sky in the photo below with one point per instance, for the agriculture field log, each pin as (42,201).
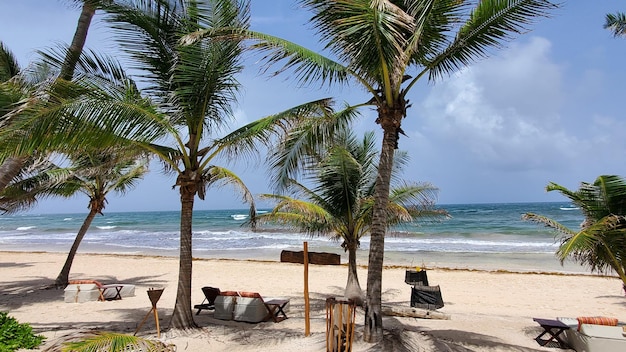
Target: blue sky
(549,107)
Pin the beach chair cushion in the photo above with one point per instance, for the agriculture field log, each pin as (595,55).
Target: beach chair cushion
(229,293)
(249,294)
(597,321)
(250,309)
(224,306)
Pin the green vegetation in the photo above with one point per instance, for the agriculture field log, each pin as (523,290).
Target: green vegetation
(616,23)
(115,342)
(339,202)
(386,48)
(14,335)
(600,243)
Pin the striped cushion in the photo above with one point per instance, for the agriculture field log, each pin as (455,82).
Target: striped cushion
(229,293)
(596,321)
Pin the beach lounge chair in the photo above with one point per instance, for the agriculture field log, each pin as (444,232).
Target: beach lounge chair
(210,293)
(250,307)
(595,334)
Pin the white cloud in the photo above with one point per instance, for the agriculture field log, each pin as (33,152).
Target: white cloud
(503,113)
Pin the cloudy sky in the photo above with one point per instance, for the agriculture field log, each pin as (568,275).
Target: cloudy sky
(547,108)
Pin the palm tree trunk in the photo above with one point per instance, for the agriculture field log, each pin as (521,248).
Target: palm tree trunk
(78,41)
(390,122)
(182,317)
(353,288)
(9,169)
(63,279)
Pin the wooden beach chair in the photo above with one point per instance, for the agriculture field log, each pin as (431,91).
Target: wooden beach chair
(208,303)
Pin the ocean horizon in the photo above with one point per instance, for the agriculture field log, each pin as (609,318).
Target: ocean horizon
(490,236)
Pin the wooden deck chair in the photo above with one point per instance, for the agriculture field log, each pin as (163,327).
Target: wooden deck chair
(210,293)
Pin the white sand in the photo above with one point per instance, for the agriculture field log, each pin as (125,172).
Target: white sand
(490,311)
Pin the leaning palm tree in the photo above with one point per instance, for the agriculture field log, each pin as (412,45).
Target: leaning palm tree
(600,243)
(386,47)
(616,23)
(340,202)
(95,175)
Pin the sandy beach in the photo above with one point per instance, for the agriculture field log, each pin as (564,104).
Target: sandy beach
(488,310)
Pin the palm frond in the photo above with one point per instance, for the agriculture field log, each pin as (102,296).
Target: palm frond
(616,23)
(268,130)
(490,25)
(220,176)
(9,66)
(111,341)
(302,146)
(555,225)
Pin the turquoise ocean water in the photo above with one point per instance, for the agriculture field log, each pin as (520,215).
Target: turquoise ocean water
(477,236)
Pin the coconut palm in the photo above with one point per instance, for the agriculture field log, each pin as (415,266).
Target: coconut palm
(616,23)
(600,243)
(95,175)
(340,202)
(386,47)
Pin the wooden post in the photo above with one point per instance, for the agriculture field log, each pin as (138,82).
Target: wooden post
(307,323)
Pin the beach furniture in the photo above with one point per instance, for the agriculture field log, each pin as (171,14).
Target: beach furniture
(416,277)
(422,295)
(210,293)
(82,292)
(340,320)
(79,291)
(426,297)
(552,328)
(595,334)
(250,307)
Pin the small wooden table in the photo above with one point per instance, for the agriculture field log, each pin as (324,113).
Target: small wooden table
(275,308)
(118,290)
(554,328)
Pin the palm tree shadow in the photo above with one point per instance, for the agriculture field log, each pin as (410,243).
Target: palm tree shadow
(15,265)
(403,337)
(41,290)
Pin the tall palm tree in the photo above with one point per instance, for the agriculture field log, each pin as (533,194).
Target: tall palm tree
(616,23)
(95,175)
(600,243)
(341,201)
(387,46)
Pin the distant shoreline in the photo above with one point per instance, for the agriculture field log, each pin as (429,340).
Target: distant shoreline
(245,210)
(538,263)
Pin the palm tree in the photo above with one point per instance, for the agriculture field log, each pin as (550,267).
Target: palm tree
(387,47)
(616,23)
(341,201)
(600,243)
(93,175)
